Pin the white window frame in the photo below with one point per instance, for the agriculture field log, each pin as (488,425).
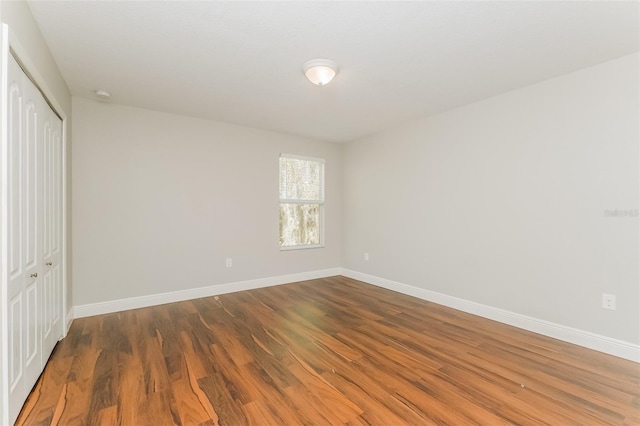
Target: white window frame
(297,201)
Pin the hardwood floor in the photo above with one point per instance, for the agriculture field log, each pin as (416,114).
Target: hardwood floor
(328,351)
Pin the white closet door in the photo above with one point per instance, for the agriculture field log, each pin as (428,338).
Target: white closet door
(34,223)
(52,219)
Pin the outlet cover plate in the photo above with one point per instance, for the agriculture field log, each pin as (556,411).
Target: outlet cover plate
(609,301)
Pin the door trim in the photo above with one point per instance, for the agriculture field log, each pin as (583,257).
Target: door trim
(4,368)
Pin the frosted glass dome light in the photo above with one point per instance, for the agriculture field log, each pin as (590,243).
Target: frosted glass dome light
(320,71)
(103,95)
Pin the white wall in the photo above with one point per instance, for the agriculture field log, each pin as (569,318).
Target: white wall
(502,202)
(17,15)
(160,201)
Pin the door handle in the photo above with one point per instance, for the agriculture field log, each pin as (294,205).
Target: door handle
(49,263)
(34,275)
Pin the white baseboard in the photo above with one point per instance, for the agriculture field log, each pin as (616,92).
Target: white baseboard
(91,309)
(69,319)
(583,338)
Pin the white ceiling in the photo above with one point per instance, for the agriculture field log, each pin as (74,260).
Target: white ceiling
(240,62)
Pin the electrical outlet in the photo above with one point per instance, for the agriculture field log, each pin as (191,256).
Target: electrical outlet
(366,257)
(229,262)
(609,301)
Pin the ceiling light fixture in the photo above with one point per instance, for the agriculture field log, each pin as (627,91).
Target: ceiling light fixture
(103,95)
(320,71)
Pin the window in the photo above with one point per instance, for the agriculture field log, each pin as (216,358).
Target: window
(301,202)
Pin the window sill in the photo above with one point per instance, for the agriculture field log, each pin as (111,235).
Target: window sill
(305,247)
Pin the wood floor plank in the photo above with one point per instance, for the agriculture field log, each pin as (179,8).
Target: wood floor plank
(326,351)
